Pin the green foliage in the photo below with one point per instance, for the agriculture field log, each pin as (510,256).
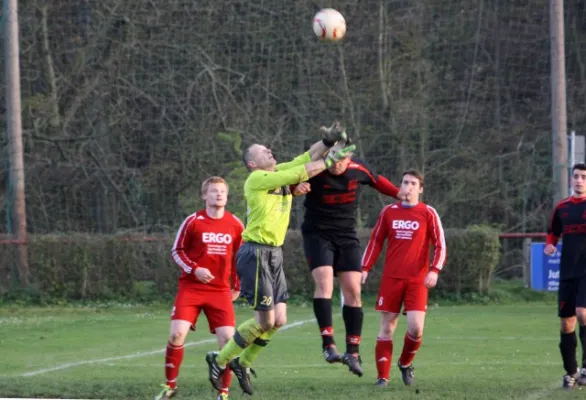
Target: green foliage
(236,201)
(473,255)
(232,170)
(92,267)
(108,267)
(232,137)
(236,175)
(422,96)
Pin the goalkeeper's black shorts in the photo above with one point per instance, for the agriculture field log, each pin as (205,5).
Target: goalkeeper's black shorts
(342,252)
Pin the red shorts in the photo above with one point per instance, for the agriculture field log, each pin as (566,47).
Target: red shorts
(394,293)
(217,306)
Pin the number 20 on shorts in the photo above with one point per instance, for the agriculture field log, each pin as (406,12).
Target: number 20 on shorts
(266,300)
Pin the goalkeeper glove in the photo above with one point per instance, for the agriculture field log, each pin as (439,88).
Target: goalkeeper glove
(336,155)
(333,134)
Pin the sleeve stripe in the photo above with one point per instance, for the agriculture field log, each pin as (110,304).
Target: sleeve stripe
(180,262)
(179,241)
(360,167)
(370,246)
(439,263)
(555,210)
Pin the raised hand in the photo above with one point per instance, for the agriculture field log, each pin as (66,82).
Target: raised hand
(333,134)
(336,155)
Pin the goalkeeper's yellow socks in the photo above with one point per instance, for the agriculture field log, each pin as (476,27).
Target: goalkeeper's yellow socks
(251,352)
(245,334)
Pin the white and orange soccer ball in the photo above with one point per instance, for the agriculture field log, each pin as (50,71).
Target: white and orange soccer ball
(329,25)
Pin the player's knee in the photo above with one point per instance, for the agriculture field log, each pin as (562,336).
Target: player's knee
(581,315)
(177,338)
(323,289)
(568,325)
(354,302)
(385,332)
(223,339)
(352,299)
(415,331)
(266,326)
(323,292)
(280,321)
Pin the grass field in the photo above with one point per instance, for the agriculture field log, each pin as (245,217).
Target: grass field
(469,352)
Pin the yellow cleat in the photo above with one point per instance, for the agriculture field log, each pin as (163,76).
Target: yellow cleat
(166,393)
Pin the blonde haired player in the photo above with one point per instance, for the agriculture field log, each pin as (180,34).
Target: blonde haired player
(410,227)
(205,249)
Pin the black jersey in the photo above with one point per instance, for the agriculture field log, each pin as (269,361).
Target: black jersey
(568,221)
(333,200)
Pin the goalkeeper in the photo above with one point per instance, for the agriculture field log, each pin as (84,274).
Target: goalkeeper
(259,261)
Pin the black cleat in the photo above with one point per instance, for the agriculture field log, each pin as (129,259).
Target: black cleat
(569,382)
(382,382)
(353,362)
(408,374)
(243,375)
(331,354)
(215,372)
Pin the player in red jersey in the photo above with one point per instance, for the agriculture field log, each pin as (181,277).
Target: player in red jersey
(568,221)
(411,227)
(205,250)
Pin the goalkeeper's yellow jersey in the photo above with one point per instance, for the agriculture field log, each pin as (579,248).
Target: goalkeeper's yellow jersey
(269,200)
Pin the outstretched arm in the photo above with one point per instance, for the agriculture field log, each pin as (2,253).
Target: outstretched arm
(333,156)
(375,244)
(267,180)
(318,150)
(386,187)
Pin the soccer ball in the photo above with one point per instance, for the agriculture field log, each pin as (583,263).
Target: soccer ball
(329,25)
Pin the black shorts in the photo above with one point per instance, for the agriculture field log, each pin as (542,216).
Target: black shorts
(342,252)
(571,294)
(262,280)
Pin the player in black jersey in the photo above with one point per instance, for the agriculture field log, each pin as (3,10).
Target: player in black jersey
(332,248)
(568,221)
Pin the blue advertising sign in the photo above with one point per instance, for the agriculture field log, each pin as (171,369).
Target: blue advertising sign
(545,270)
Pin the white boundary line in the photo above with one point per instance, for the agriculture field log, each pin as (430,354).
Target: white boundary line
(136,355)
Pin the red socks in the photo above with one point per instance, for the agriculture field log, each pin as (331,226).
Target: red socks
(173,359)
(409,350)
(383,353)
(226,380)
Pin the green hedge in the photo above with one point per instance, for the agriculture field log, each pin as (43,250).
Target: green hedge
(95,267)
